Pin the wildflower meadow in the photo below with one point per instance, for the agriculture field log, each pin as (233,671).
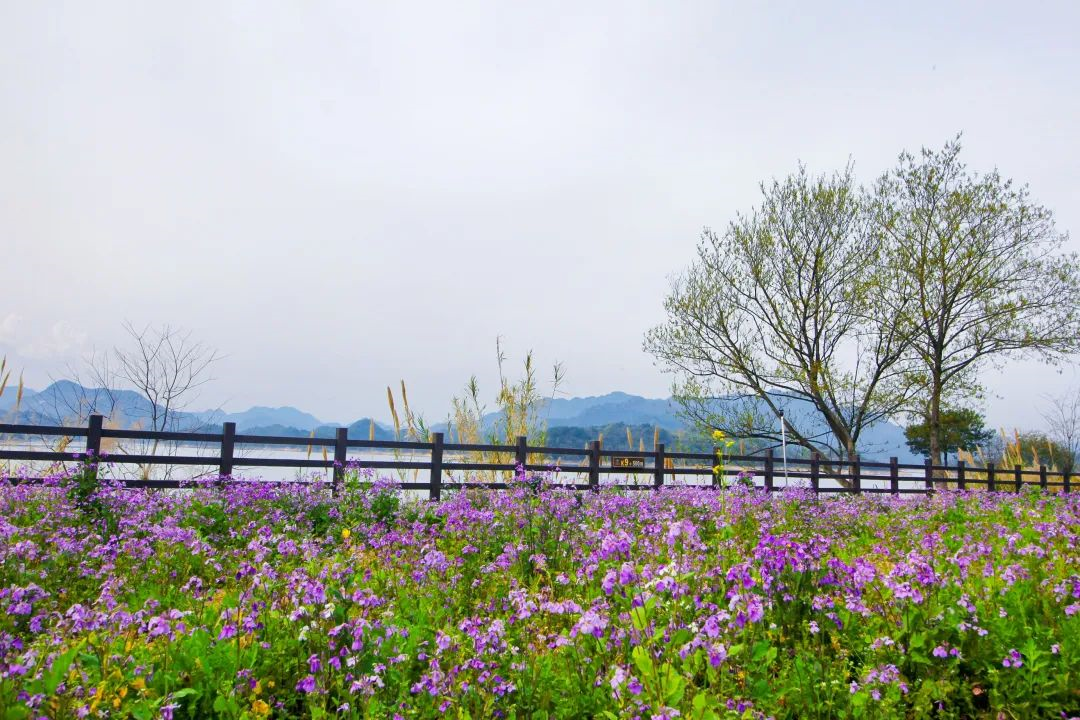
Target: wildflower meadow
(262,600)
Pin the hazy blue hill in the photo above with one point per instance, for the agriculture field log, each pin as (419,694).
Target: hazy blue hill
(260,416)
(615,407)
(361,429)
(614,436)
(601,410)
(571,422)
(61,401)
(7,400)
(578,420)
(275,430)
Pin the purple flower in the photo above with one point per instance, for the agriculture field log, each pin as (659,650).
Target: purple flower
(717,655)
(1013,659)
(608,583)
(157,626)
(307,684)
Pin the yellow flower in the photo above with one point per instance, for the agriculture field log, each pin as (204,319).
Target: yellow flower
(270,684)
(258,688)
(139,684)
(718,435)
(260,707)
(116,702)
(345,533)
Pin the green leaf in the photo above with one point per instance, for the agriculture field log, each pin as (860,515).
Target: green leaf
(642,661)
(639,616)
(673,686)
(16,712)
(59,669)
(680,637)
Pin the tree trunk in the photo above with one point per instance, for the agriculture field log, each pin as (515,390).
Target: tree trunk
(935,426)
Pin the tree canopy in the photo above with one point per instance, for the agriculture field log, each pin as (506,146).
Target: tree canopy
(865,304)
(783,310)
(981,275)
(961,429)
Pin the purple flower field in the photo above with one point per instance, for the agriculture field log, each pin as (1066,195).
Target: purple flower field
(255,601)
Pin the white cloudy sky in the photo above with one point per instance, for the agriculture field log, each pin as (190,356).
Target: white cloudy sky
(340,195)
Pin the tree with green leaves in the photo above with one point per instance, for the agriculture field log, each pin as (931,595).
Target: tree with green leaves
(961,429)
(981,275)
(784,311)
(1037,448)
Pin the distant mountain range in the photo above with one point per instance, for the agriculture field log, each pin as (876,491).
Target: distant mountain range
(571,421)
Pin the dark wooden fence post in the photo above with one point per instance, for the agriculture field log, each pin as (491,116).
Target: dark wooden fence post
(93,436)
(658,467)
(815,472)
(521,453)
(961,477)
(856,475)
(341,454)
(93,443)
(894,476)
(228,442)
(594,465)
(769,479)
(435,481)
(928,480)
(1018,472)
(1042,477)
(1067,480)
(991,481)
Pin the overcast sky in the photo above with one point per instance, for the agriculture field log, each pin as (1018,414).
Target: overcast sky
(342,195)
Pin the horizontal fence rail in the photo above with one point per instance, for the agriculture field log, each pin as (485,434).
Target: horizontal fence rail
(657,468)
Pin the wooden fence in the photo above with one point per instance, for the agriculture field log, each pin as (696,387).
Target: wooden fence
(659,467)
